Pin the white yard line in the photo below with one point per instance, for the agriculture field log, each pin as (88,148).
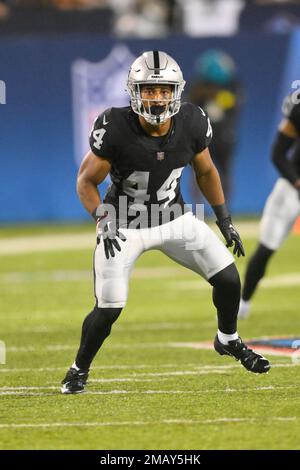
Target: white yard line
(47,243)
(102,367)
(152,423)
(69,347)
(163,272)
(150,272)
(65,347)
(139,366)
(200,345)
(136,377)
(172,374)
(21,390)
(125,326)
(24,390)
(79,241)
(131,378)
(274,282)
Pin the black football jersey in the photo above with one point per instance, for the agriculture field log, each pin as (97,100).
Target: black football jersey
(146,170)
(291,111)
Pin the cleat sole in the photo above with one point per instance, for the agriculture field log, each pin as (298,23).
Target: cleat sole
(65,391)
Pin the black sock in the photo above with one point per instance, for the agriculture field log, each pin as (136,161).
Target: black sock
(96,327)
(255,270)
(226,297)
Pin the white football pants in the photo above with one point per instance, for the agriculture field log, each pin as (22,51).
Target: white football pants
(187,240)
(280,213)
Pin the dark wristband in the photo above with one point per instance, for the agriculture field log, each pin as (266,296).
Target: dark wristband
(221,211)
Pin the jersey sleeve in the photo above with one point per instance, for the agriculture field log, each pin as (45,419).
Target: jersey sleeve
(100,137)
(201,129)
(291,111)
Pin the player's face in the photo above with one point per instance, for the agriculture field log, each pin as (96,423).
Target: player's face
(156,98)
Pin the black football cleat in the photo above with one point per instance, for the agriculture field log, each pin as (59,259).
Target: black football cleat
(74,381)
(251,360)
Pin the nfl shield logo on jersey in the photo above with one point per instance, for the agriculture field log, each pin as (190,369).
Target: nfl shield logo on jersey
(160,156)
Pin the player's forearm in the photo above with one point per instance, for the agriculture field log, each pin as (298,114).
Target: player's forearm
(88,194)
(211,187)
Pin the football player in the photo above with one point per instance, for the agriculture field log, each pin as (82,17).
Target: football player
(283,204)
(145,147)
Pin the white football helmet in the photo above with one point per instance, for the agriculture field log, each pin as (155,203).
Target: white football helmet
(155,68)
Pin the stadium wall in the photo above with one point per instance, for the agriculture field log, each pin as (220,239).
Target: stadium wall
(37,126)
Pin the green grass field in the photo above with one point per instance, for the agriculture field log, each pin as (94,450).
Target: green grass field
(145,392)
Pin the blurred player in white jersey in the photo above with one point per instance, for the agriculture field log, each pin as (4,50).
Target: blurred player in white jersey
(283,205)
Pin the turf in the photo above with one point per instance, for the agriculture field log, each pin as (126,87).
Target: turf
(144,391)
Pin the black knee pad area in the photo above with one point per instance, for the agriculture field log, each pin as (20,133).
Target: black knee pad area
(228,279)
(106,315)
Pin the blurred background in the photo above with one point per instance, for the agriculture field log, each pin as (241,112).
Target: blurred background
(63,61)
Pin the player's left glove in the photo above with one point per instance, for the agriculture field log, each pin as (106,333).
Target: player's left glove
(231,236)
(107,230)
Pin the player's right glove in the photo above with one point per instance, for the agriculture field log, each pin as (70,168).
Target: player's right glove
(108,232)
(230,234)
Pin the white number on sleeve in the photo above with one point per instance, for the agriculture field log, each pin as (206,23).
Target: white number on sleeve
(209,128)
(98,137)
